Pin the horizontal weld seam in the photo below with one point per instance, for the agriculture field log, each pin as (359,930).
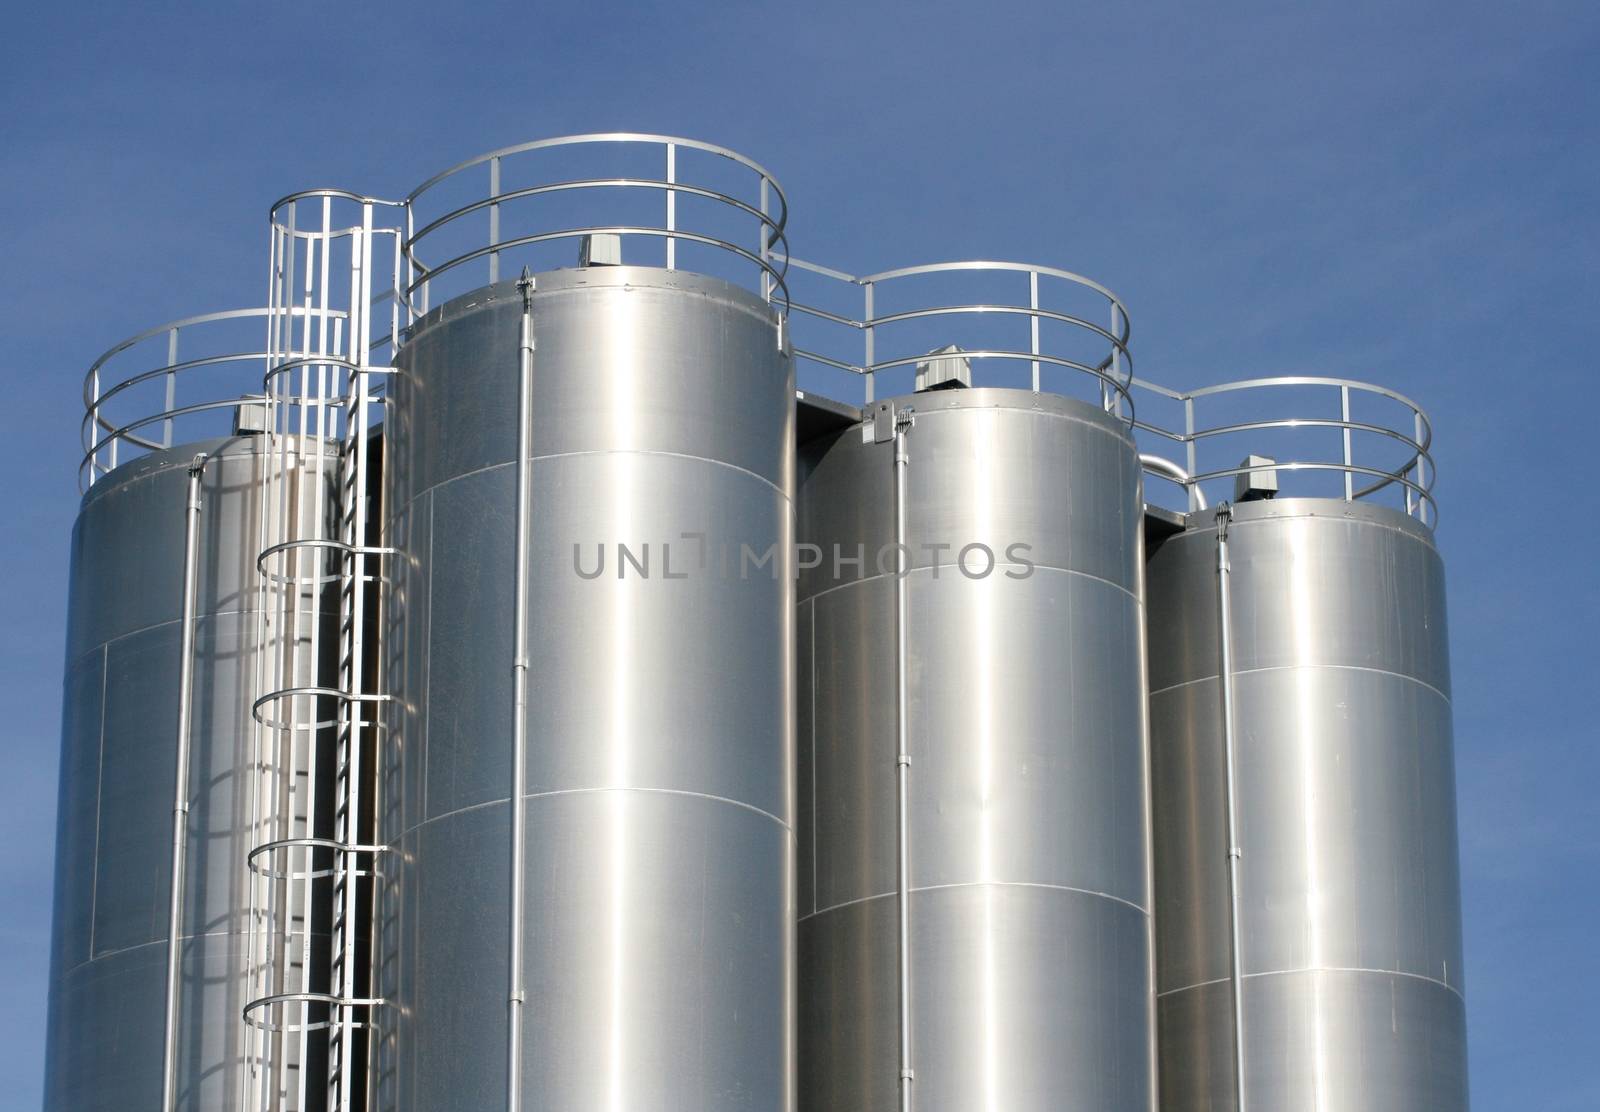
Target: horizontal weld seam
(981,884)
(200,619)
(762,479)
(242,932)
(1319,969)
(928,570)
(1294,667)
(597,791)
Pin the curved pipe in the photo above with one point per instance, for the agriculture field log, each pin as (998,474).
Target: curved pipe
(1166,469)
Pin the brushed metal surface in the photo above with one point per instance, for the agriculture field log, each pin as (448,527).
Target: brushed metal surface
(1029,917)
(104,1044)
(659,792)
(1350,921)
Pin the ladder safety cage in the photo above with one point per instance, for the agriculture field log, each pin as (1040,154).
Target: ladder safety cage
(318,709)
(522,204)
(1014,324)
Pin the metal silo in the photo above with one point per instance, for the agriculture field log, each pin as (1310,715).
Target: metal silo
(216,703)
(125,675)
(974,871)
(588,779)
(467,730)
(1307,890)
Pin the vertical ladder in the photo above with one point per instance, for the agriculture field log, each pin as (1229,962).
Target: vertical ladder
(318,707)
(358,560)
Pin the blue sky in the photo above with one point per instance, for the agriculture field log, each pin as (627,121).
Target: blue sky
(1403,193)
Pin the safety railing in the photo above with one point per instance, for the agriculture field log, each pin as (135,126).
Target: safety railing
(1009,324)
(1318,436)
(662,198)
(187,380)
(175,383)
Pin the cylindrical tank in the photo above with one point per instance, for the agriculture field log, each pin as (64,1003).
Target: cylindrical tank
(1349,917)
(1026,820)
(659,848)
(114,836)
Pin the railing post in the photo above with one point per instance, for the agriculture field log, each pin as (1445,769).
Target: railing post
(1114,401)
(94,427)
(871,353)
(494,220)
(672,205)
(764,247)
(412,266)
(394,301)
(1190,453)
(1033,322)
(1415,500)
(1344,415)
(172,387)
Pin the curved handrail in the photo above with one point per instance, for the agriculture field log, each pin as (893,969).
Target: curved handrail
(1413,473)
(114,418)
(1367,473)
(612,229)
(991,264)
(1114,370)
(771,226)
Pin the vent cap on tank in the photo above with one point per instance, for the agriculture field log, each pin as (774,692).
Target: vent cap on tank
(944,369)
(1259,482)
(251,417)
(600,249)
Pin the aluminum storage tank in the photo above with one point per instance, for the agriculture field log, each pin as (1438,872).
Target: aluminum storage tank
(1349,904)
(1026,820)
(114,835)
(659,850)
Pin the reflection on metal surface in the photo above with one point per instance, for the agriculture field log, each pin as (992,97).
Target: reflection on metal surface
(1349,928)
(659,717)
(113,891)
(1028,947)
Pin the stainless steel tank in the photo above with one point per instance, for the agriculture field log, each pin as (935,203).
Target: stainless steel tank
(118,765)
(659,848)
(1349,911)
(1029,932)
